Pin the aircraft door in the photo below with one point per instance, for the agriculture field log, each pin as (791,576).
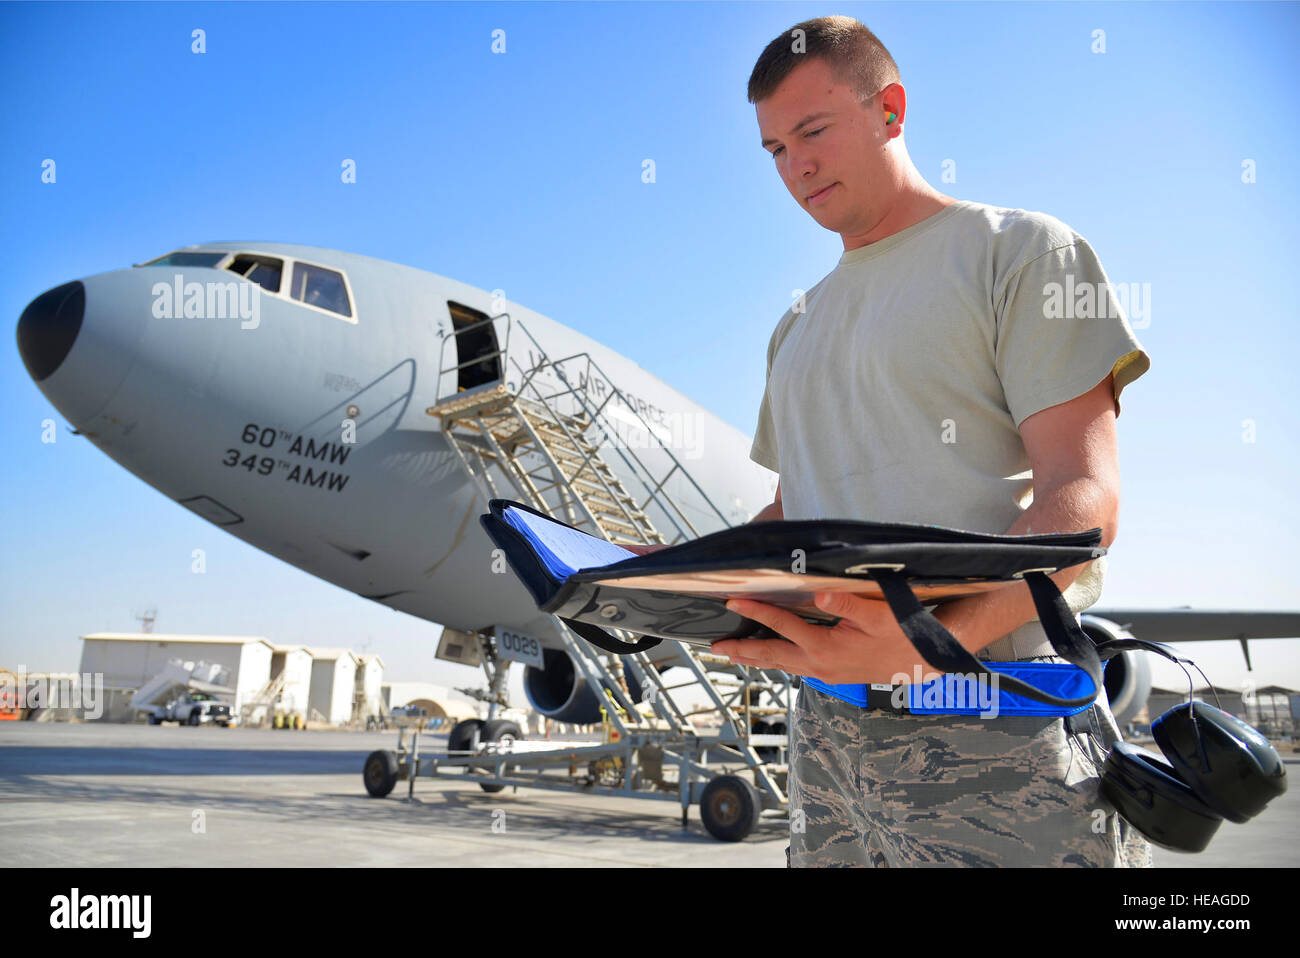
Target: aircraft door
(476,339)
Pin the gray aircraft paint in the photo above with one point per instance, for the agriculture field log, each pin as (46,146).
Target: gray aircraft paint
(394,517)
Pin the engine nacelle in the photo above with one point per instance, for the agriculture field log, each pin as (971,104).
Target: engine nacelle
(1128,675)
(559,691)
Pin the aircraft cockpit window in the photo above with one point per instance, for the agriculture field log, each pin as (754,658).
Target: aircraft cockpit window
(262,270)
(317,286)
(188,258)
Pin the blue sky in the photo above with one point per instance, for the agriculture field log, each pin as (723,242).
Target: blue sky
(522,171)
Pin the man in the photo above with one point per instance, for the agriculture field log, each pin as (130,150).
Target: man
(961,366)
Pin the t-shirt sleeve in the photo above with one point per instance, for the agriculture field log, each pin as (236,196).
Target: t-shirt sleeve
(764,449)
(1061,330)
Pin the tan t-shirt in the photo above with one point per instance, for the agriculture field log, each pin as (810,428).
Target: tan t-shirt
(896,393)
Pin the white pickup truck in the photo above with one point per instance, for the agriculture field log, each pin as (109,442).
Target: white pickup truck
(192,708)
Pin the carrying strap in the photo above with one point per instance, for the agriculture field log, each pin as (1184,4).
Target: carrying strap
(936,644)
(942,651)
(603,640)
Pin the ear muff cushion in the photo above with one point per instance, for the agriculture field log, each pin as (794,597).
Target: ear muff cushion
(1229,765)
(1150,797)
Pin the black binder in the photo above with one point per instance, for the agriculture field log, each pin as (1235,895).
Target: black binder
(680,592)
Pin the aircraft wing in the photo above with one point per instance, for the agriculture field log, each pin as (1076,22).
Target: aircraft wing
(1202,625)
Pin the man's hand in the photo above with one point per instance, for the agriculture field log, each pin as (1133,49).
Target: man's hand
(866,645)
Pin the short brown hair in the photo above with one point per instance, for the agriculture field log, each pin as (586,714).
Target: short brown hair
(855,55)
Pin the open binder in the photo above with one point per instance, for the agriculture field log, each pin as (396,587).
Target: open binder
(680,592)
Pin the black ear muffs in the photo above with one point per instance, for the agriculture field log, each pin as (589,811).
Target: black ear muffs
(1218,767)
(1150,797)
(1227,763)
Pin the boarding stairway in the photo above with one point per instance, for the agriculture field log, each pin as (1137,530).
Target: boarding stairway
(178,675)
(265,700)
(548,436)
(496,428)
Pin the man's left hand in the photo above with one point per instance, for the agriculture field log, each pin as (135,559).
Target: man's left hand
(865,646)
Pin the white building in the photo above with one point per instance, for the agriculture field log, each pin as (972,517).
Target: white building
(294,663)
(370,680)
(333,683)
(438,701)
(129,659)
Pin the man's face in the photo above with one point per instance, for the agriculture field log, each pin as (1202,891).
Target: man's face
(828,148)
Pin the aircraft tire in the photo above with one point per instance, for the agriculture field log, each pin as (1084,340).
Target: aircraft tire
(499,729)
(496,731)
(729,808)
(380,773)
(465,736)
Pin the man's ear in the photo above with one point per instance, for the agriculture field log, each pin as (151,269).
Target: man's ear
(892,99)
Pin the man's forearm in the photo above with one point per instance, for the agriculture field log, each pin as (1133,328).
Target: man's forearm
(1073,506)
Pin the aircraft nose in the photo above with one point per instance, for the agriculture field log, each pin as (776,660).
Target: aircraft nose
(79,340)
(49,326)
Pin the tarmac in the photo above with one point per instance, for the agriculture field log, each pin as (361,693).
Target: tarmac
(98,794)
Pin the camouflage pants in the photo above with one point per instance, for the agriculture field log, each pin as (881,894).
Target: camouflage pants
(882,789)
